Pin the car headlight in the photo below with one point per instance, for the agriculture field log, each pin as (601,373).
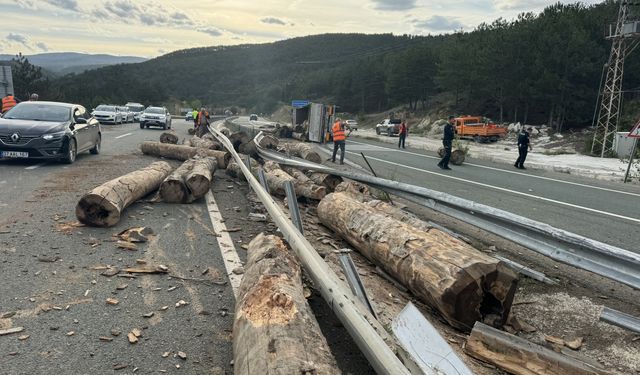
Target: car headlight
(50,136)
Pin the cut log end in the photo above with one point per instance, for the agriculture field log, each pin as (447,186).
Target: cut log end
(94,210)
(173,191)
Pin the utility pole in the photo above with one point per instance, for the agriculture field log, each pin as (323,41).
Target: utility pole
(624,39)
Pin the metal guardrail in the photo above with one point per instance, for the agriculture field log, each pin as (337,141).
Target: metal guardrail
(365,330)
(606,260)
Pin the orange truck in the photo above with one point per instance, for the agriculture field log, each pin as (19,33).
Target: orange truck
(479,129)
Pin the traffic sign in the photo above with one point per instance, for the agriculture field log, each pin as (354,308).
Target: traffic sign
(299,103)
(635,131)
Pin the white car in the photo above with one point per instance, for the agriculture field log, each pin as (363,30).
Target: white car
(155,116)
(351,124)
(107,114)
(127,116)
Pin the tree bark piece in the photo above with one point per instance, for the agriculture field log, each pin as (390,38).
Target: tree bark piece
(199,179)
(274,330)
(276,179)
(327,180)
(463,284)
(303,151)
(169,137)
(521,357)
(183,153)
(233,169)
(103,206)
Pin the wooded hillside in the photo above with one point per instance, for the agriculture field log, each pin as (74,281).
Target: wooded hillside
(542,68)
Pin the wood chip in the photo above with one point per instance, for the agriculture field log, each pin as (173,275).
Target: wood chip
(182,355)
(48,259)
(23,337)
(141,261)
(106,338)
(148,315)
(111,271)
(71,333)
(163,308)
(231,230)
(132,338)
(7,315)
(554,340)
(112,301)
(574,344)
(10,331)
(122,286)
(166,354)
(137,332)
(181,303)
(157,269)
(120,366)
(127,245)
(137,234)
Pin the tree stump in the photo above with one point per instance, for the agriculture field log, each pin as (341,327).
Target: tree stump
(183,153)
(275,331)
(463,284)
(457,156)
(103,206)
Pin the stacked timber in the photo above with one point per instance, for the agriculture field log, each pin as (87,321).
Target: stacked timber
(302,150)
(274,330)
(103,206)
(169,137)
(183,153)
(329,181)
(276,179)
(462,283)
(189,182)
(205,143)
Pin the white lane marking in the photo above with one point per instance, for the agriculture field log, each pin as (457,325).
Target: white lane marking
(227,248)
(509,190)
(506,171)
(35,166)
(122,136)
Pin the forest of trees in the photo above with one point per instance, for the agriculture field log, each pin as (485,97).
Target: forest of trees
(538,68)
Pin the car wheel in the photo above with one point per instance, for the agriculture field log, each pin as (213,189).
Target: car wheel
(141,126)
(96,148)
(164,126)
(390,132)
(378,131)
(71,152)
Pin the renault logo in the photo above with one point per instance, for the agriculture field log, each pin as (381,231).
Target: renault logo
(15,137)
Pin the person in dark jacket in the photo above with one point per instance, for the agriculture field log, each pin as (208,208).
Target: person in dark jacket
(447,143)
(524,146)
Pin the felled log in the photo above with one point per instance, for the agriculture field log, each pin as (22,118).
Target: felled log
(403,216)
(274,330)
(327,180)
(233,169)
(269,142)
(169,137)
(463,284)
(297,174)
(199,179)
(276,179)
(173,189)
(299,136)
(103,206)
(206,143)
(183,153)
(239,138)
(302,150)
(521,357)
(225,131)
(191,131)
(249,148)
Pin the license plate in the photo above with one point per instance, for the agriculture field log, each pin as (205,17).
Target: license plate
(14,154)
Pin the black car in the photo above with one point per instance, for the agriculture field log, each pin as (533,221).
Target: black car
(48,130)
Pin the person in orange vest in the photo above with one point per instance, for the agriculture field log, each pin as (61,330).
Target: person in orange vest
(339,138)
(402,134)
(9,102)
(202,120)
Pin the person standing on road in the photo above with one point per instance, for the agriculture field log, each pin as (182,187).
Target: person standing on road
(9,102)
(339,138)
(402,134)
(194,114)
(524,146)
(202,120)
(447,143)
(34,97)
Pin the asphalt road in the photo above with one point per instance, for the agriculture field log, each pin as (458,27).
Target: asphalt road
(605,211)
(51,282)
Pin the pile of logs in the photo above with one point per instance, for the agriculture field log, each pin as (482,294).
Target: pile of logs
(462,283)
(183,152)
(304,187)
(274,330)
(191,181)
(301,150)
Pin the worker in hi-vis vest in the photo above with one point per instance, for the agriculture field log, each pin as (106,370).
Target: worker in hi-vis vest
(339,138)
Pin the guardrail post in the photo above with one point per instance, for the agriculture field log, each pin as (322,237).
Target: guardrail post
(292,202)
(350,271)
(263,180)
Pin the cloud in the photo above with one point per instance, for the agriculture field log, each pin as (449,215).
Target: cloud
(18,38)
(438,23)
(394,4)
(42,46)
(519,4)
(64,4)
(210,30)
(273,21)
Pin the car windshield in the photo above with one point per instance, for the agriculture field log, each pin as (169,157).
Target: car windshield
(154,110)
(39,112)
(106,108)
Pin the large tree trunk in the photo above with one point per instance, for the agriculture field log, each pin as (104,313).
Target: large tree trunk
(269,141)
(239,138)
(521,357)
(169,137)
(183,153)
(274,330)
(327,180)
(103,206)
(173,189)
(233,169)
(204,143)
(302,150)
(462,283)
(276,179)
(199,179)
(297,174)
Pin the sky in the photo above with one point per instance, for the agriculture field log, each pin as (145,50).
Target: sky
(149,28)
